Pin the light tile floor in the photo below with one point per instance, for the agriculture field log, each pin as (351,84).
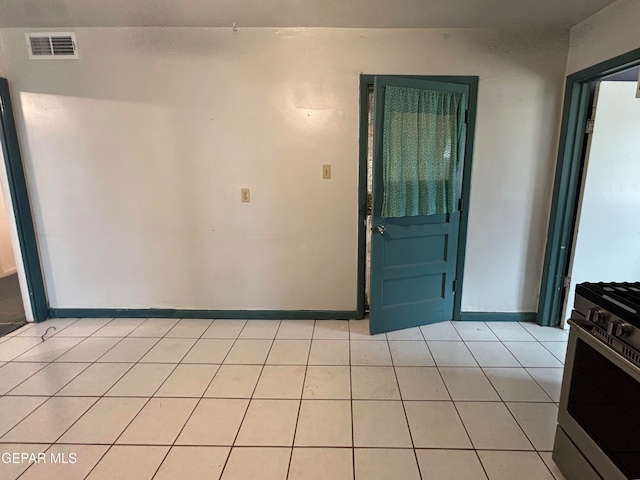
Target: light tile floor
(271,400)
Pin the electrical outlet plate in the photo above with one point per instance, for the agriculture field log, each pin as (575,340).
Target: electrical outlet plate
(326,172)
(245,195)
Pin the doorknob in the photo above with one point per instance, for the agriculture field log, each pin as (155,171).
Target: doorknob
(380,229)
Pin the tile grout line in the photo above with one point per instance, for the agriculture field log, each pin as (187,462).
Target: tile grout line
(57,359)
(518,360)
(32,325)
(145,403)
(404,410)
(91,364)
(143,406)
(550,400)
(96,333)
(353,439)
(466,431)
(309,447)
(561,360)
(252,396)
(157,340)
(16,358)
(545,464)
(304,379)
(179,362)
(235,438)
(46,364)
(51,396)
(195,406)
(221,363)
(289,398)
(54,358)
(202,397)
(105,392)
(502,400)
(34,336)
(130,334)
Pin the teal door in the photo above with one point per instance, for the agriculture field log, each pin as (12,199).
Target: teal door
(414,252)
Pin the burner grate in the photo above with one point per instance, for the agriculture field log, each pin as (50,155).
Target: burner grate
(622,299)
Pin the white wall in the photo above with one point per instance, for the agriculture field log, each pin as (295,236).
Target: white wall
(606,247)
(611,32)
(137,152)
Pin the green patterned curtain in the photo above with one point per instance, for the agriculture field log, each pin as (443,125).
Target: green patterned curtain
(422,139)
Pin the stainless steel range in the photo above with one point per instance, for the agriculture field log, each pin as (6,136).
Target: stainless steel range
(598,434)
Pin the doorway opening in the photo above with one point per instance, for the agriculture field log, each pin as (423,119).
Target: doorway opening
(367,277)
(12,314)
(608,189)
(574,140)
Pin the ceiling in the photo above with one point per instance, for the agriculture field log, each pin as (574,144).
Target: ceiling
(299,13)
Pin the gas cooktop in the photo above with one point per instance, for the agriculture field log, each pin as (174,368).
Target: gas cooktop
(620,299)
(612,310)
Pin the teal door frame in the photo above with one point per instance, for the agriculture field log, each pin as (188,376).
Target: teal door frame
(566,188)
(21,206)
(365,82)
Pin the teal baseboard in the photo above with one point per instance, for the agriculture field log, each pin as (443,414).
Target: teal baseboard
(231,314)
(262,314)
(498,316)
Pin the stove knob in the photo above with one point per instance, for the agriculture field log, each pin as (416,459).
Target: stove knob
(618,328)
(597,315)
(623,329)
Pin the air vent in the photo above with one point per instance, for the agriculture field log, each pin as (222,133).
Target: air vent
(631,355)
(48,46)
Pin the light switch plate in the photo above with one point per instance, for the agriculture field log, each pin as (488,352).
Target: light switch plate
(245,195)
(326,172)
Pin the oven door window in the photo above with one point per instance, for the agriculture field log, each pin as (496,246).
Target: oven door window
(605,401)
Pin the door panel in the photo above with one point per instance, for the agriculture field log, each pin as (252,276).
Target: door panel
(420,249)
(413,259)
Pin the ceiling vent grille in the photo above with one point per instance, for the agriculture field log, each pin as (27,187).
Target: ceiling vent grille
(48,46)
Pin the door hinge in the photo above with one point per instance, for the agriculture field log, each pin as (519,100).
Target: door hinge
(567,282)
(369,204)
(459,204)
(589,127)
(455,285)
(466,116)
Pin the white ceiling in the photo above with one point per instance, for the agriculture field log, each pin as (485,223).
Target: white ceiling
(299,13)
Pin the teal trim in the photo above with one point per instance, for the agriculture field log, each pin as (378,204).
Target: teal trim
(171,313)
(365,82)
(261,314)
(21,205)
(498,316)
(566,188)
(466,192)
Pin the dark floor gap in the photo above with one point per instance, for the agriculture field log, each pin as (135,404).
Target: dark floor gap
(12,314)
